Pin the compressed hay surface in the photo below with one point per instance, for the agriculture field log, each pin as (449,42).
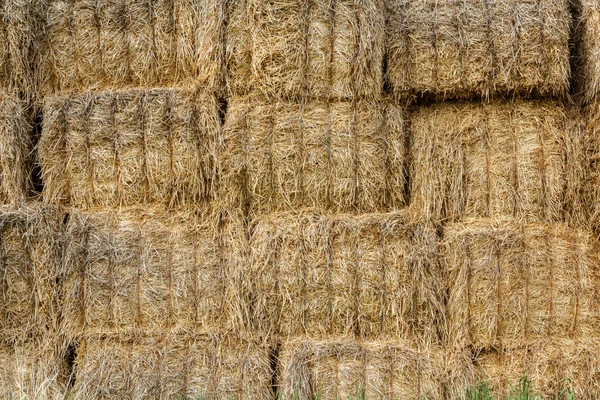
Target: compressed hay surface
(297,48)
(15,146)
(510,283)
(343,156)
(116,44)
(587,35)
(139,270)
(30,267)
(35,370)
(465,48)
(373,276)
(593,131)
(519,159)
(113,149)
(344,369)
(172,366)
(551,367)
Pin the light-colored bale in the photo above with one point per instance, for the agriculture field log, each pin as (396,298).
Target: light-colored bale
(505,159)
(370,276)
(512,283)
(172,367)
(102,45)
(342,156)
(298,48)
(139,270)
(34,370)
(550,366)
(467,48)
(126,148)
(592,116)
(15,148)
(30,267)
(344,369)
(587,44)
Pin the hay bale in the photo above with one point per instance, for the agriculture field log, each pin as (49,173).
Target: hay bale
(103,45)
(15,146)
(30,266)
(551,366)
(298,48)
(467,48)
(172,366)
(139,270)
(587,45)
(511,283)
(504,159)
(373,276)
(344,369)
(126,148)
(592,116)
(343,156)
(33,370)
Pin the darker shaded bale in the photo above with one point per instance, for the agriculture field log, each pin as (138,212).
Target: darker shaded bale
(587,49)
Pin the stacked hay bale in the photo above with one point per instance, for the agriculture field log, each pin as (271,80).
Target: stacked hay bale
(151,286)
(505,180)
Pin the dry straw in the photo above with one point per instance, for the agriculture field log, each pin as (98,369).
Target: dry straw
(343,369)
(593,131)
(15,145)
(30,268)
(371,276)
(35,370)
(511,283)
(125,148)
(343,156)
(117,44)
(142,270)
(519,159)
(465,48)
(587,32)
(172,366)
(297,48)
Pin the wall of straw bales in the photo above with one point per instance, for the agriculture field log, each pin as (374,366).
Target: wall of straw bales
(342,156)
(371,276)
(516,158)
(173,366)
(108,45)
(512,283)
(125,148)
(142,270)
(344,369)
(298,48)
(478,48)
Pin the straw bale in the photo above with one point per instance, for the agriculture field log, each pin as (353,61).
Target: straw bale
(343,369)
(33,370)
(373,276)
(139,270)
(30,267)
(587,34)
(511,283)
(505,159)
(551,366)
(15,146)
(592,116)
(472,48)
(126,148)
(298,48)
(343,156)
(101,45)
(172,366)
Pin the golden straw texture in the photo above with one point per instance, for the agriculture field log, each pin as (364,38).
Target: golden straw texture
(342,156)
(511,283)
(343,369)
(466,48)
(172,367)
(505,159)
(587,38)
(139,270)
(297,48)
(370,276)
(117,44)
(114,149)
